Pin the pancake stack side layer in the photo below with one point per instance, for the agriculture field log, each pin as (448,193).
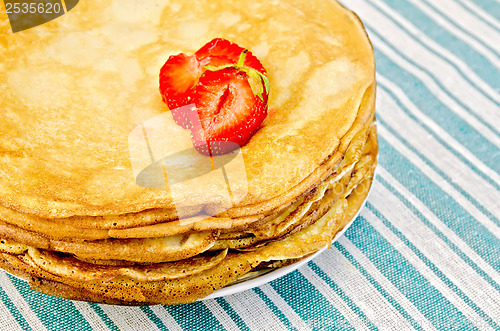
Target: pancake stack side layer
(73,220)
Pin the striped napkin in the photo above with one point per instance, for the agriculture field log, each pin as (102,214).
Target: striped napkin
(424,253)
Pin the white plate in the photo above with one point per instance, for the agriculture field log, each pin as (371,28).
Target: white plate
(264,276)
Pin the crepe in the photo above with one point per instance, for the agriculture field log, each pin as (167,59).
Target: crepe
(71,227)
(134,291)
(83,126)
(73,89)
(183,281)
(148,246)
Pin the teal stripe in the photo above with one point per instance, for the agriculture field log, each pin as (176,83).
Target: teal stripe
(275,309)
(13,309)
(415,324)
(152,316)
(459,2)
(464,76)
(477,62)
(230,311)
(342,295)
(433,267)
(439,171)
(109,323)
(441,141)
(61,313)
(194,316)
(436,81)
(457,26)
(491,7)
(441,204)
(422,97)
(425,297)
(431,226)
(297,291)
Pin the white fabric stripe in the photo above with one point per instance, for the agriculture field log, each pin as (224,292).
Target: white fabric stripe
(129,318)
(468,22)
(374,305)
(254,312)
(452,236)
(7,321)
(436,129)
(480,12)
(439,181)
(480,190)
(89,314)
(289,313)
(407,305)
(166,318)
(422,268)
(448,76)
(439,93)
(220,314)
(492,57)
(352,317)
(431,44)
(21,304)
(475,287)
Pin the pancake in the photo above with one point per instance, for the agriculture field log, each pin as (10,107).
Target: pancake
(129,291)
(83,125)
(161,249)
(63,228)
(157,248)
(149,250)
(93,78)
(138,285)
(309,210)
(67,266)
(135,225)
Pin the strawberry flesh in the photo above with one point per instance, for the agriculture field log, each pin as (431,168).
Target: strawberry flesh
(177,77)
(228,111)
(220,93)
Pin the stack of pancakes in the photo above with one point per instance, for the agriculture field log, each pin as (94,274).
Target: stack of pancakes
(77,219)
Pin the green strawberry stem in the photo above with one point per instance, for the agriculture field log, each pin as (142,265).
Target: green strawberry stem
(242,57)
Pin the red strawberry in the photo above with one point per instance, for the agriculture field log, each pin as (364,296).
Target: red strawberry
(177,77)
(229,89)
(230,109)
(219,52)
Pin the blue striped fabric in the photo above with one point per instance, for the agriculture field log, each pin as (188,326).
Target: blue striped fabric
(424,253)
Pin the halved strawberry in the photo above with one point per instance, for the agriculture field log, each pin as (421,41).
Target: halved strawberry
(229,111)
(228,87)
(177,78)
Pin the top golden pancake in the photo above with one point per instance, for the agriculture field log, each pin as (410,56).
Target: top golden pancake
(73,89)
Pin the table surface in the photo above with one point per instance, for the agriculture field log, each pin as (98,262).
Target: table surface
(425,251)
